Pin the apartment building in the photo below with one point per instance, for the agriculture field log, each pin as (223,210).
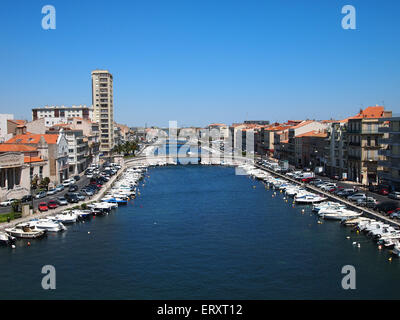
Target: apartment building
(78,148)
(336,149)
(52,148)
(59,114)
(363,139)
(4,135)
(294,150)
(18,165)
(389,171)
(102,98)
(310,149)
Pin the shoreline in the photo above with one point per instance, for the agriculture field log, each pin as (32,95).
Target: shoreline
(60,209)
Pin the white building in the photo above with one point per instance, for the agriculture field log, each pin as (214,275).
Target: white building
(4,136)
(60,114)
(102,99)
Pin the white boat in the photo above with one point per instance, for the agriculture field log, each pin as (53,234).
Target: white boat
(341,215)
(355,221)
(332,213)
(83,214)
(47,224)
(65,217)
(6,239)
(396,249)
(308,199)
(24,231)
(327,205)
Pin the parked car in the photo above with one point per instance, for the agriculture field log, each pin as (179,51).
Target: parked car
(51,192)
(373,188)
(346,192)
(394,195)
(87,192)
(387,207)
(328,186)
(73,188)
(60,187)
(80,196)
(26,198)
(52,204)
(62,201)
(68,182)
(383,191)
(43,206)
(7,203)
(369,202)
(77,178)
(41,195)
(71,198)
(395,215)
(357,196)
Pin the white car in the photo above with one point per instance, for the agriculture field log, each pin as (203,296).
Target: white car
(52,191)
(328,186)
(68,182)
(7,203)
(357,196)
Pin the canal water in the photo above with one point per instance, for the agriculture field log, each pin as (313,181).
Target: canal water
(201,232)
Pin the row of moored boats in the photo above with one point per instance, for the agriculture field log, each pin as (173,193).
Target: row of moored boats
(121,192)
(384,234)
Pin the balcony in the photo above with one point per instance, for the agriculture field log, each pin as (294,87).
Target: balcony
(372,146)
(370,131)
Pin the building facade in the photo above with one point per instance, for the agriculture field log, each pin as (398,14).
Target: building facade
(336,150)
(59,114)
(4,135)
(102,98)
(363,138)
(389,162)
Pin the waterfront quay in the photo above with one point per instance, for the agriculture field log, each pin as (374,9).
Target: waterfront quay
(364,210)
(71,206)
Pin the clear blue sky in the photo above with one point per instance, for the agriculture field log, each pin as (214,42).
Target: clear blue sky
(203,61)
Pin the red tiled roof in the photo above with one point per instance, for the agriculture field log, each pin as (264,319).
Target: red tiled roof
(18,122)
(217,125)
(30,138)
(370,112)
(16,148)
(316,134)
(32,159)
(301,124)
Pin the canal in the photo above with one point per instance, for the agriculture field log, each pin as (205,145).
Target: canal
(201,232)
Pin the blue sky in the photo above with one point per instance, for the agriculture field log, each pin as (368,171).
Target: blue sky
(203,61)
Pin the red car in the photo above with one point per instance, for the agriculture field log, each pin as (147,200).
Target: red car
(308,180)
(52,204)
(393,211)
(43,206)
(383,192)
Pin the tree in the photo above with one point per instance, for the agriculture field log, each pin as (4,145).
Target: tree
(34,182)
(44,184)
